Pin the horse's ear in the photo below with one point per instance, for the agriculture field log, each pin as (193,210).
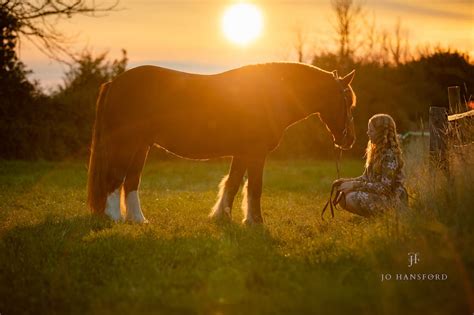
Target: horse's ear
(348,78)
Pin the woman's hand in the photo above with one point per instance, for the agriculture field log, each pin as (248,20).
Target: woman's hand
(347,186)
(339,181)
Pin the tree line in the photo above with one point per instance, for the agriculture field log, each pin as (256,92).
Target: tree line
(36,125)
(391,77)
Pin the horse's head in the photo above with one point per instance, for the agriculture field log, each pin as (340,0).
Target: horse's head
(337,114)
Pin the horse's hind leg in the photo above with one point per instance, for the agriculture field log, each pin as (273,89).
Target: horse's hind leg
(253,191)
(228,189)
(117,169)
(132,181)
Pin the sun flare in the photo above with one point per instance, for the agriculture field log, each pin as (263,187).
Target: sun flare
(242,23)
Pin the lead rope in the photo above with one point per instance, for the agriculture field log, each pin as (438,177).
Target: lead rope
(338,159)
(332,202)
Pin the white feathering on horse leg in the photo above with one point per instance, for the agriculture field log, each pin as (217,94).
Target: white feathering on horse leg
(246,205)
(221,209)
(112,206)
(134,211)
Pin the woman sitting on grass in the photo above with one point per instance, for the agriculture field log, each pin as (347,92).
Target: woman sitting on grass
(381,185)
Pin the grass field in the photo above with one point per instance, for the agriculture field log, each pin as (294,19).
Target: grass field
(55,258)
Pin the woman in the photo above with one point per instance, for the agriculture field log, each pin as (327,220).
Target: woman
(381,185)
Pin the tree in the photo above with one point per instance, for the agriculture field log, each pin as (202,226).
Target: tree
(17,94)
(347,12)
(32,124)
(371,40)
(78,94)
(8,38)
(89,72)
(300,43)
(36,21)
(11,69)
(399,44)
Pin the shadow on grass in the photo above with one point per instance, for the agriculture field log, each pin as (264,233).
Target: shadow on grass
(86,265)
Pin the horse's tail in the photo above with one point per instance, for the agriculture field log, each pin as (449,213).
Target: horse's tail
(98,162)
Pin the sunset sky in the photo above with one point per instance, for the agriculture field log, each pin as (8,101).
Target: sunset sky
(188,34)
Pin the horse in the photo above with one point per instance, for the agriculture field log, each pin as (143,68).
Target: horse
(241,113)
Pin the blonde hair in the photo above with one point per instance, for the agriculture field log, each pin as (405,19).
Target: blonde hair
(385,139)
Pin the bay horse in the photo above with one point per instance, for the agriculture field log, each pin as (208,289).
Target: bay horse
(241,113)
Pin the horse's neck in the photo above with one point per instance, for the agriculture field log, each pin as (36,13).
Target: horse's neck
(307,99)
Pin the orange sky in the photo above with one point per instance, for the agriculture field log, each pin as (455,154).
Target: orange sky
(187,35)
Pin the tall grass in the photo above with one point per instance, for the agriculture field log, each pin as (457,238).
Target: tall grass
(442,201)
(55,259)
(443,189)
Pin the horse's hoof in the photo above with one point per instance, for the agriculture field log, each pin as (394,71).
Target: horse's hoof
(137,221)
(222,218)
(145,222)
(225,215)
(114,217)
(228,212)
(252,222)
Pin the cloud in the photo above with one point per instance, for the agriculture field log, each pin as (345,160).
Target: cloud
(429,8)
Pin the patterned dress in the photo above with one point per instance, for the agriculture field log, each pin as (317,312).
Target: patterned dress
(374,192)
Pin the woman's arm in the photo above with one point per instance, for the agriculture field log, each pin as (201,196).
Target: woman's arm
(384,182)
(361,178)
(348,184)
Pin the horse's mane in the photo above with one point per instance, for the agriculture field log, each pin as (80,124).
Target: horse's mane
(286,66)
(279,64)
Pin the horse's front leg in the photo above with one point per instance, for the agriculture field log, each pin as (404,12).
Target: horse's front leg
(228,189)
(253,191)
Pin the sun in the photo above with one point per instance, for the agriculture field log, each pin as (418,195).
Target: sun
(242,23)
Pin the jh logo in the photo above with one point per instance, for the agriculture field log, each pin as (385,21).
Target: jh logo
(413,259)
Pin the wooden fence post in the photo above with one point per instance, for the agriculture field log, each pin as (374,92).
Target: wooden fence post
(458,126)
(454,97)
(438,136)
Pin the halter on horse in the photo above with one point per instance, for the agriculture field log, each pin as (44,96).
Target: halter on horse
(333,201)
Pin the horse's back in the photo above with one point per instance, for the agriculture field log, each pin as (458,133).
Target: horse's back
(192,114)
(153,90)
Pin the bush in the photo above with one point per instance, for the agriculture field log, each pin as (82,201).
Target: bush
(57,126)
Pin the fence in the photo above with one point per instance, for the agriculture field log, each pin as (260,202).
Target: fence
(440,126)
